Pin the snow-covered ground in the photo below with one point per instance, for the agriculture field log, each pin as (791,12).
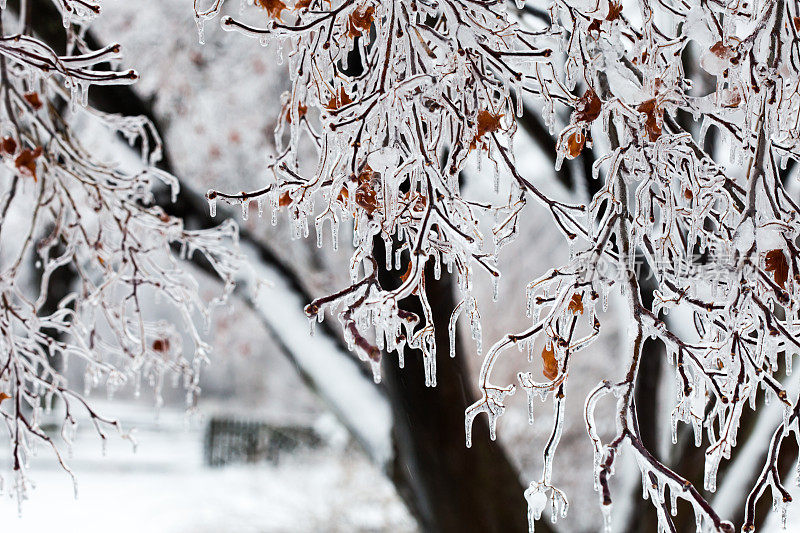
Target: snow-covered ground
(165,487)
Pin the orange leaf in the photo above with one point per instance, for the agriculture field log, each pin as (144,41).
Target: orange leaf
(161,345)
(796,21)
(301,112)
(550,369)
(360,20)
(33,99)
(653,112)
(273,7)
(576,304)
(366,174)
(589,106)
(730,98)
(4,396)
(8,145)
(367,198)
(337,102)
(404,276)
(26,161)
(614,10)
(284,199)
(300,4)
(575,144)
(776,263)
(720,50)
(488,122)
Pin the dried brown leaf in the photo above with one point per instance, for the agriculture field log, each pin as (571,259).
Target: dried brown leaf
(550,368)
(26,161)
(33,99)
(575,143)
(8,145)
(488,122)
(614,10)
(776,263)
(576,304)
(653,112)
(273,7)
(589,107)
(342,100)
(360,20)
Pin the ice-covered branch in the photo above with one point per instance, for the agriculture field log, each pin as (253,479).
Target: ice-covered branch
(398,98)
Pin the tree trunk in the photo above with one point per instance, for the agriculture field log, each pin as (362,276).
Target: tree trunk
(449,487)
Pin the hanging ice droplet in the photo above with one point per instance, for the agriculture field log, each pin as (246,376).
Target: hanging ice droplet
(606,510)
(201,29)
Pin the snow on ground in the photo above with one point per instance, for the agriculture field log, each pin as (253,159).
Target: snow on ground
(165,487)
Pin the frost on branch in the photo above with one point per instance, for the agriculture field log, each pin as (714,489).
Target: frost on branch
(397,97)
(67,214)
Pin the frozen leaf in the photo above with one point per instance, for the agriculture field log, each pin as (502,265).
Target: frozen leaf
(8,145)
(404,275)
(273,7)
(717,59)
(776,263)
(26,161)
(550,368)
(33,99)
(614,10)
(301,112)
(575,143)
(360,20)
(720,50)
(653,115)
(161,345)
(730,98)
(367,198)
(342,100)
(589,107)
(576,304)
(488,122)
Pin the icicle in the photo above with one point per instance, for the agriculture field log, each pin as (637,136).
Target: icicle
(606,510)
(201,33)
(518,86)
(376,371)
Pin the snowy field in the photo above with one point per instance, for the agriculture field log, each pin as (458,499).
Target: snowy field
(165,488)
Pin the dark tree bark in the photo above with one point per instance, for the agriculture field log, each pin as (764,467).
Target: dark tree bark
(451,488)
(643,517)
